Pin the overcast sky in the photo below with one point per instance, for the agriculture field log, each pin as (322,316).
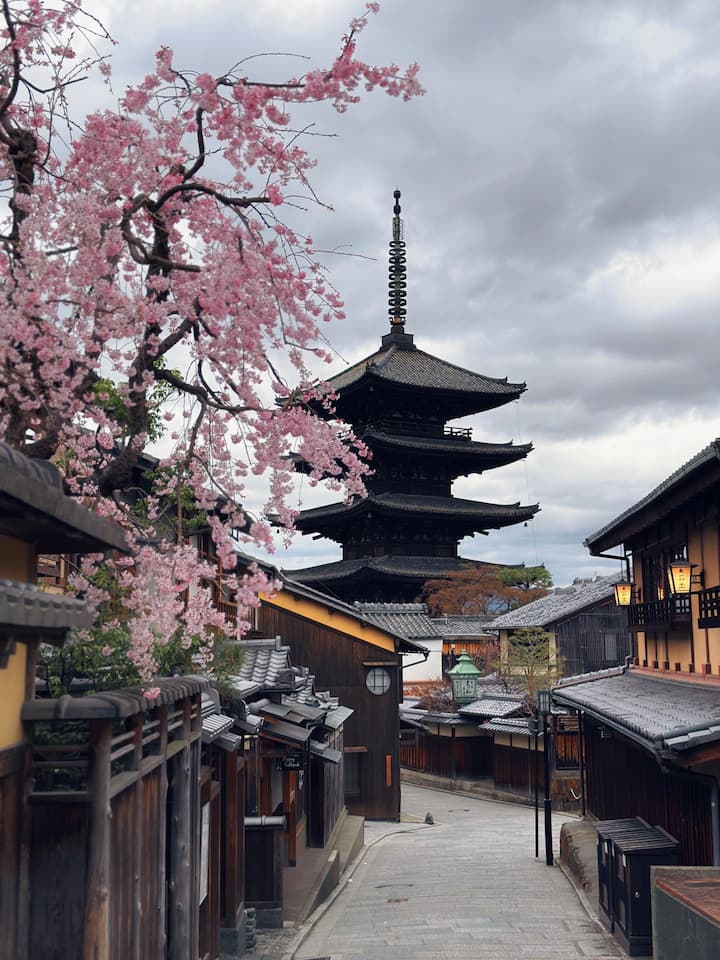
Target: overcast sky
(561,200)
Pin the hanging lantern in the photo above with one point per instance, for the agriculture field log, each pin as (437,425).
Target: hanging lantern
(623,593)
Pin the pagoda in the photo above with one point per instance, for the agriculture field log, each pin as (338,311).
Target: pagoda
(399,401)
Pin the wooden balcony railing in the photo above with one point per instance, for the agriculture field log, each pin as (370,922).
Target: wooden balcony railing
(661,614)
(462,433)
(709,613)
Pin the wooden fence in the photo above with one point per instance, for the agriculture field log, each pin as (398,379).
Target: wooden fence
(116,868)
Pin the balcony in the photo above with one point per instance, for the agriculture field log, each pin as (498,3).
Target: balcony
(659,614)
(709,612)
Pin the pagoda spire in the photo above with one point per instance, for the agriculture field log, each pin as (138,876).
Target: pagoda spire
(397,272)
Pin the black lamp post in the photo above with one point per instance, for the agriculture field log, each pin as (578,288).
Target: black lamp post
(543,704)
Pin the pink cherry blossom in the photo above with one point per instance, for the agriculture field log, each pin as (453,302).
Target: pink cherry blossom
(152,289)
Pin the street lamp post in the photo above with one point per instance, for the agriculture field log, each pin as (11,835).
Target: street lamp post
(543,702)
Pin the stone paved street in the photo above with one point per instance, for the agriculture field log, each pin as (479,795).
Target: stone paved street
(467,886)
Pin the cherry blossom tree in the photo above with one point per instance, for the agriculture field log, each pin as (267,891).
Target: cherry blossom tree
(154,289)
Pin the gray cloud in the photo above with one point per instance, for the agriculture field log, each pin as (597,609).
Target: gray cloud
(561,199)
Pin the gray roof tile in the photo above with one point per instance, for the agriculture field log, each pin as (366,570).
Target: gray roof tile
(462,626)
(492,707)
(666,714)
(410,620)
(493,515)
(557,605)
(416,368)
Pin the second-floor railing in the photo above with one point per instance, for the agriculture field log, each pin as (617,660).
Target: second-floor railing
(709,610)
(658,613)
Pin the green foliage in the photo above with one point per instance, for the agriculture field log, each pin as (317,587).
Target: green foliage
(526,578)
(529,658)
(114,403)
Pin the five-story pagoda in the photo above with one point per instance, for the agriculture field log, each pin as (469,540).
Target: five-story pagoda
(408,527)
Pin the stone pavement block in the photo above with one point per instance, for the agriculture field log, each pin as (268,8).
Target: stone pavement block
(466,886)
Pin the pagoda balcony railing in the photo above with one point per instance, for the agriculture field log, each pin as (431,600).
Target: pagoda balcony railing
(458,433)
(709,612)
(659,614)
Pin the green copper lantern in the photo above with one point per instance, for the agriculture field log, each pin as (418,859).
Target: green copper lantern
(463,677)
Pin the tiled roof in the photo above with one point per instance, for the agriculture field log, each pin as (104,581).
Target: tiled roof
(408,619)
(493,515)
(495,454)
(423,568)
(508,725)
(24,606)
(465,626)
(34,506)
(557,605)
(492,707)
(606,536)
(267,663)
(663,714)
(415,368)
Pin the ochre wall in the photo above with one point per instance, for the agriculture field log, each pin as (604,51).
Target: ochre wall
(12,697)
(17,562)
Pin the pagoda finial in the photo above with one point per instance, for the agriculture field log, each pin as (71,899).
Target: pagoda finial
(397,271)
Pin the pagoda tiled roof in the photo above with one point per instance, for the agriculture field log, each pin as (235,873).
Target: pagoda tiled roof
(496,453)
(422,568)
(558,604)
(493,515)
(662,714)
(416,368)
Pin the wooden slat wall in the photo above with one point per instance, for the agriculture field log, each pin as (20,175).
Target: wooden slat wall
(473,756)
(11,785)
(143,857)
(625,781)
(514,769)
(336,660)
(58,843)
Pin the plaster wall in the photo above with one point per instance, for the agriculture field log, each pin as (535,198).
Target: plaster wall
(431,669)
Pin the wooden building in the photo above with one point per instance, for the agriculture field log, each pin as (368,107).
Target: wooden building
(399,401)
(35,517)
(652,730)
(361,664)
(293,739)
(587,630)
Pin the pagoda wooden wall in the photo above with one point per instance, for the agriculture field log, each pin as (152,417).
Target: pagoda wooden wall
(340,664)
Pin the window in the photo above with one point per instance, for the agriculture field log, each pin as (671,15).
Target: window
(377,680)
(351,768)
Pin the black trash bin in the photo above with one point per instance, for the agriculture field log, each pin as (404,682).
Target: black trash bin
(607,830)
(626,851)
(632,859)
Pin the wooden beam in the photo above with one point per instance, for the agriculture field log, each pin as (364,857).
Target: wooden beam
(96,920)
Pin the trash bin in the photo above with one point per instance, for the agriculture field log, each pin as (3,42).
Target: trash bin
(606,830)
(626,851)
(632,857)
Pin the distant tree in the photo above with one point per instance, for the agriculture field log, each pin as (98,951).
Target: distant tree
(529,660)
(487,590)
